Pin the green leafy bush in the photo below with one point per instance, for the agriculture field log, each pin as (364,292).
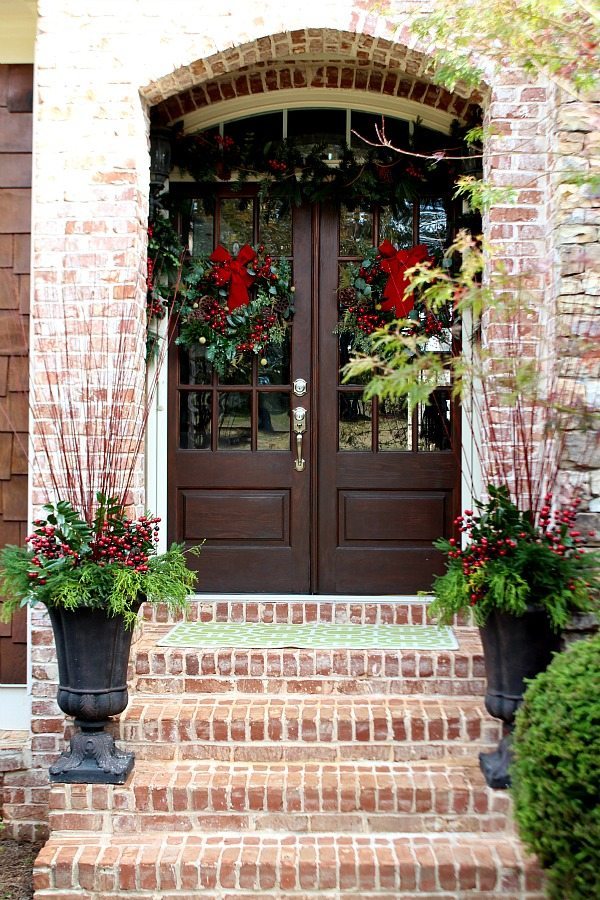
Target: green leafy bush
(556,772)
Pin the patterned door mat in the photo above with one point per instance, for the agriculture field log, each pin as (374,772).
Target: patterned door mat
(215,635)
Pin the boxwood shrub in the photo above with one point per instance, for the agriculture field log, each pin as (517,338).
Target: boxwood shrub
(556,771)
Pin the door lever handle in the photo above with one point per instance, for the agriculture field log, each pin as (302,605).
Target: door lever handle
(299,422)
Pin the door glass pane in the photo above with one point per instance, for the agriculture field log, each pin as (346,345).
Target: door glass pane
(276,227)
(356,231)
(193,366)
(194,420)
(236,226)
(235,421)
(201,238)
(273,420)
(433,226)
(354,422)
(434,422)
(394,425)
(241,373)
(397,227)
(276,370)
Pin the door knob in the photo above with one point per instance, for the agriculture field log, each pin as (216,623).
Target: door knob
(299,423)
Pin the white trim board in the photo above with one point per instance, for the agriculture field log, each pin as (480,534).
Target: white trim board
(15,708)
(310,598)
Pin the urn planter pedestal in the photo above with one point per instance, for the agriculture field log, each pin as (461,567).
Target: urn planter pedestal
(515,648)
(93,654)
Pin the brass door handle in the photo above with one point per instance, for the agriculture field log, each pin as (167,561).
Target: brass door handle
(299,422)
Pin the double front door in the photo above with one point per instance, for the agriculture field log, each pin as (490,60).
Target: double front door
(294,481)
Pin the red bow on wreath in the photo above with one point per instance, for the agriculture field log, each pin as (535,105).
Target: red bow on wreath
(395,263)
(234,273)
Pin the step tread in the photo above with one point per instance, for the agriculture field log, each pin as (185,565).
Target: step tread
(165,706)
(400,862)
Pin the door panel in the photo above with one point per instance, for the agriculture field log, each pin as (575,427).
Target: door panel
(379,484)
(233,482)
(386,490)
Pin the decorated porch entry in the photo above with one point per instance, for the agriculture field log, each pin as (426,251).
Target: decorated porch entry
(297,483)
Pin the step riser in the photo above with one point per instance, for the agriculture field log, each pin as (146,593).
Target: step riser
(301,612)
(275,728)
(308,752)
(253,728)
(290,823)
(319,686)
(174,671)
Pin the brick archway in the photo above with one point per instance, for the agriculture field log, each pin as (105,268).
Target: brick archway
(314,59)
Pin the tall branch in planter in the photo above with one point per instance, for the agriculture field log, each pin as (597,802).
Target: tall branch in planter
(520,406)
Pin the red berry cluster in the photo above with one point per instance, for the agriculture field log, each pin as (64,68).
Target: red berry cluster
(126,543)
(122,541)
(277,165)
(215,316)
(415,172)
(433,326)
(367,320)
(259,333)
(263,269)
(226,142)
(150,276)
(156,308)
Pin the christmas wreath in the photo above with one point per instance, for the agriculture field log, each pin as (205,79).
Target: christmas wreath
(377,293)
(235,306)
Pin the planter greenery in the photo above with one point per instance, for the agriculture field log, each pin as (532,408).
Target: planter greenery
(556,771)
(512,562)
(107,565)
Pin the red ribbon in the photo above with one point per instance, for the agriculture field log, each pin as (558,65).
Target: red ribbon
(234,273)
(395,263)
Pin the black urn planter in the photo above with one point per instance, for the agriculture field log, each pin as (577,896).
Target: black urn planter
(93,654)
(515,648)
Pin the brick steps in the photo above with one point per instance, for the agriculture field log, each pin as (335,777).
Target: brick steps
(230,727)
(298,610)
(294,773)
(165,670)
(328,865)
(351,797)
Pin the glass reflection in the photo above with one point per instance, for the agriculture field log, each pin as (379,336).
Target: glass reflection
(240,373)
(201,237)
(273,420)
(356,231)
(194,368)
(276,370)
(354,422)
(276,227)
(236,224)
(434,422)
(395,431)
(235,421)
(397,227)
(195,420)
(433,226)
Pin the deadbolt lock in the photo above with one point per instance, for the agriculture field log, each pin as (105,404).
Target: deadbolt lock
(300,387)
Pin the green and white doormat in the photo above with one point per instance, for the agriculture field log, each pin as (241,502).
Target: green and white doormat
(217,635)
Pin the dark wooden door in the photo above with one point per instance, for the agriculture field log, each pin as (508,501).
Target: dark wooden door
(375,490)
